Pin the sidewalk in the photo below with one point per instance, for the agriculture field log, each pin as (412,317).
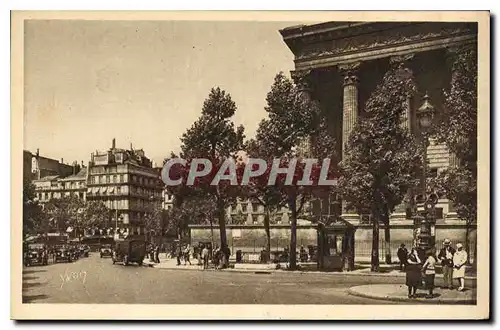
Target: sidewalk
(399,292)
(361,270)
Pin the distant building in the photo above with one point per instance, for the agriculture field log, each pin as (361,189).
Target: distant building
(55,186)
(248,212)
(36,167)
(127,184)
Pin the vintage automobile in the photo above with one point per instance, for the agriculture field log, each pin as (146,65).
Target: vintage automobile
(106,250)
(75,252)
(84,250)
(36,254)
(129,250)
(63,253)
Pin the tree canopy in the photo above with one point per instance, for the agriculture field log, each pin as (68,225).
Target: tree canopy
(382,159)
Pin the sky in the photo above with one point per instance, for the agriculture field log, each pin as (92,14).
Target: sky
(141,82)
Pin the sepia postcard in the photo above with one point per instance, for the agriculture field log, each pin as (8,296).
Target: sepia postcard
(250,165)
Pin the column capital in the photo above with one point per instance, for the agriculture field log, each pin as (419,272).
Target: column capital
(350,72)
(302,79)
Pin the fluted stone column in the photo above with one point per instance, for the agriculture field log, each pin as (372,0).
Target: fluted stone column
(350,101)
(350,104)
(304,81)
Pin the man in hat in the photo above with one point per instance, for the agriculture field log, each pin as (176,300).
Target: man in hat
(446,257)
(403,257)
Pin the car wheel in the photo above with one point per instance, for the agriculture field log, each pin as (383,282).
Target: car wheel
(125,260)
(101,255)
(140,262)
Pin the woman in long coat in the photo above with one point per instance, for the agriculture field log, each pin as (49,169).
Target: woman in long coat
(459,261)
(413,273)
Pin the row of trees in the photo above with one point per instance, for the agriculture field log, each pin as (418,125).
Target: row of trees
(383,158)
(59,214)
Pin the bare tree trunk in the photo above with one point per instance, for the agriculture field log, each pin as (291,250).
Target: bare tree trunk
(467,243)
(268,234)
(375,266)
(387,240)
(222,229)
(293,235)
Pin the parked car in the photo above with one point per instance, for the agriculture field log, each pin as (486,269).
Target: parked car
(106,251)
(84,250)
(129,250)
(63,253)
(75,252)
(36,254)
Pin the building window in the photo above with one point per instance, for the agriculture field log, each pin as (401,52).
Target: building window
(118,190)
(433,173)
(108,178)
(121,178)
(114,178)
(244,207)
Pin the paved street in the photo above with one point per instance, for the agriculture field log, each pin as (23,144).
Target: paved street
(96,280)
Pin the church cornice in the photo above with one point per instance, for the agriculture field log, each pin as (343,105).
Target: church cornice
(346,41)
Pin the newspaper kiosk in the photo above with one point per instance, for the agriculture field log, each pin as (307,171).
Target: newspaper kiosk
(336,246)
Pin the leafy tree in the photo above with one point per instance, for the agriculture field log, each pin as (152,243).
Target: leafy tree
(153,221)
(382,159)
(33,216)
(239,218)
(269,196)
(193,210)
(292,117)
(457,128)
(67,211)
(214,136)
(96,214)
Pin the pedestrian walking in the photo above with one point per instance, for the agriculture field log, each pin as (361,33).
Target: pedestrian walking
(179,255)
(204,256)
(198,254)
(429,270)
(413,275)
(157,254)
(403,257)
(459,261)
(217,257)
(446,257)
(187,252)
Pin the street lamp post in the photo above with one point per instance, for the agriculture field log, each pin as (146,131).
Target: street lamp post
(425,219)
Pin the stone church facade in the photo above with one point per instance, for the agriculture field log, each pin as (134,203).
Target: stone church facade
(339,64)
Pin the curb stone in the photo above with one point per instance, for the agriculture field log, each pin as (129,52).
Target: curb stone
(355,291)
(273,271)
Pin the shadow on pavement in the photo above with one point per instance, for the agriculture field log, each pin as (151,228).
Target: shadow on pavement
(29,299)
(31,285)
(27,278)
(32,271)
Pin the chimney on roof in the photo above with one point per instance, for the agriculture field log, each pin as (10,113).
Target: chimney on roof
(131,148)
(62,160)
(37,152)
(113,144)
